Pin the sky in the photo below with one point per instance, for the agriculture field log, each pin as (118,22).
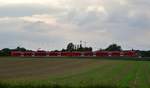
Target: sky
(52,24)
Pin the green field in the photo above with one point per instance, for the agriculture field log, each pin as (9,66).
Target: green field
(73,73)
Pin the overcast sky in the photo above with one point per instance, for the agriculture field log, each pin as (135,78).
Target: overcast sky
(51,24)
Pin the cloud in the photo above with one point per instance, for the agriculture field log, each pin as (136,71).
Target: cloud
(52,24)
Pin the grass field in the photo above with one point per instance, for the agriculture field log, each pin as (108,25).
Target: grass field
(73,73)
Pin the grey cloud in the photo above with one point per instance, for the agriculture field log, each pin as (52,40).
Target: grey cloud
(13,35)
(126,24)
(19,10)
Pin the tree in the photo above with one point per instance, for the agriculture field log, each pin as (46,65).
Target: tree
(144,53)
(63,50)
(87,49)
(114,47)
(70,47)
(20,49)
(5,52)
(90,49)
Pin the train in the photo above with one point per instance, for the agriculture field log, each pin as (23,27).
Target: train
(74,54)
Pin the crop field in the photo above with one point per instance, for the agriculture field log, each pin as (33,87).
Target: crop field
(73,73)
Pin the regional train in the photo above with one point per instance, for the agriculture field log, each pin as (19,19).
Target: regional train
(74,54)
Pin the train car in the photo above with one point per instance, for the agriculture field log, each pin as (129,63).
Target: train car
(28,53)
(66,54)
(130,54)
(115,53)
(76,54)
(71,54)
(53,54)
(88,54)
(102,53)
(16,53)
(40,53)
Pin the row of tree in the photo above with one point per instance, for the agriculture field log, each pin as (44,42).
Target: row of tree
(72,47)
(144,53)
(7,51)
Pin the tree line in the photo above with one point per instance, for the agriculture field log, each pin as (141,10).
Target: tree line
(71,47)
(7,51)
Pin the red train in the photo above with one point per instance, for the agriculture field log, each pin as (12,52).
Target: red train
(75,54)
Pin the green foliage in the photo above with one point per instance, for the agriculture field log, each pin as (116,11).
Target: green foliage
(55,86)
(145,53)
(20,49)
(114,47)
(7,51)
(72,47)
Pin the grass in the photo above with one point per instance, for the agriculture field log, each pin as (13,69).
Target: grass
(74,73)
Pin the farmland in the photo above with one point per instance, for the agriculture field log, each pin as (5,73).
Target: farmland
(68,72)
